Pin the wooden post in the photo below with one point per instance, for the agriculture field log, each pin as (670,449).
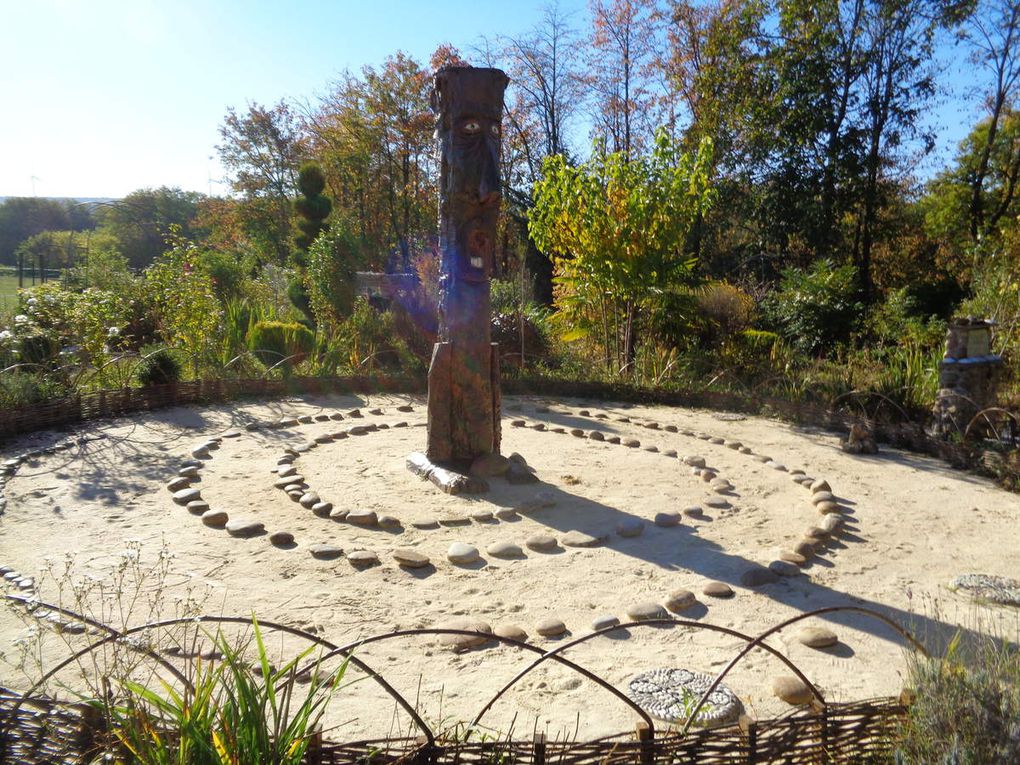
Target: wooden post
(463,381)
(539,749)
(646,741)
(749,727)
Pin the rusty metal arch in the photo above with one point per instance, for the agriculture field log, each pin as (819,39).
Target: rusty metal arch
(117,635)
(345,651)
(783,625)
(983,414)
(553,654)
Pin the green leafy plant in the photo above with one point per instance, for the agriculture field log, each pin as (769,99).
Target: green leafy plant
(272,342)
(817,309)
(160,367)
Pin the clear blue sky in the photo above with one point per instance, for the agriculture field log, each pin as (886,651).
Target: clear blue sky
(101,97)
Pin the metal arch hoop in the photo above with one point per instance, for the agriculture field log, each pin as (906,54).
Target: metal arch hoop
(782,625)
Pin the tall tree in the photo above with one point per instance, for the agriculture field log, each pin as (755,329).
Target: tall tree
(993,33)
(141,221)
(261,150)
(22,217)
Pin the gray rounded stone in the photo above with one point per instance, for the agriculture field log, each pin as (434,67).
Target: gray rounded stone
(822,496)
(792,690)
(646,611)
(362,517)
(507,514)
(825,508)
(550,627)
(580,539)
(292,479)
(631,443)
(489,465)
(322,509)
(243,528)
(776,466)
(462,553)
(784,568)
(820,485)
(817,637)
(693,511)
(541,543)
(389,522)
(758,576)
(719,503)
(308,499)
(511,631)
(694,461)
(482,516)
(460,642)
(630,527)
(184,496)
(717,590)
(326,551)
(831,522)
(363,558)
(667,519)
(604,622)
(281,538)
(426,525)
(681,600)
(197,506)
(504,550)
(216,519)
(188,472)
(410,558)
(596,435)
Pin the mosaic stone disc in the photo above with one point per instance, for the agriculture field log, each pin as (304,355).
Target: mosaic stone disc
(995,589)
(670,694)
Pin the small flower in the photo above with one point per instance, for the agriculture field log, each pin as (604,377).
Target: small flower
(21,319)
(113,332)
(6,335)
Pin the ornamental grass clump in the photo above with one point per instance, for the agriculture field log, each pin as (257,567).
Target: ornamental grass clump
(234,711)
(967,706)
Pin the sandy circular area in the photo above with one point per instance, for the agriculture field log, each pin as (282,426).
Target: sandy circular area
(911,526)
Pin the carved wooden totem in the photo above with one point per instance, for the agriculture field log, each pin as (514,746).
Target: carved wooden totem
(464,397)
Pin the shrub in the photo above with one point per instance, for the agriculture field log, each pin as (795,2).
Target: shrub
(38,348)
(370,340)
(273,341)
(158,368)
(817,309)
(723,311)
(967,709)
(332,262)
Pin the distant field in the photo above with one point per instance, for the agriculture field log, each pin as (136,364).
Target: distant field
(8,292)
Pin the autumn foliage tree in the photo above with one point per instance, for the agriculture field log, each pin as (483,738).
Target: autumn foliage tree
(617,229)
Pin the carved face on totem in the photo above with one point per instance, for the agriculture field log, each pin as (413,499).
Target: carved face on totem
(469,104)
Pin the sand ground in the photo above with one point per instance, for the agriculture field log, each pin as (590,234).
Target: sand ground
(912,525)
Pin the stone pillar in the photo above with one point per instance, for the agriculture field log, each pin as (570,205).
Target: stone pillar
(968,376)
(464,396)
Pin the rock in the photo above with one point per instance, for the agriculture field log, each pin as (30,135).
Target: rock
(805,549)
(323,509)
(325,551)
(511,631)
(405,408)
(306,419)
(721,485)
(461,642)
(669,453)
(201,453)
(489,465)
(784,568)
(667,518)
(390,522)
(828,507)
(538,426)
(410,558)
(354,413)
(428,525)
(795,558)
(375,412)
(541,501)
(286,470)
(188,472)
(758,576)
(693,511)
(817,532)
(707,476)
(507,514)
(243,528)
(363,558)
(734,445)
(197,464)
(550,627)
(482,516)
(288,480)
(580,539)
(822,496)
(646,611)
(613,440)
(518,473)
(197,506)
(631,443)
(308,499)
(717,441)
(296,493)
(596,435)
(817,637)
(184,496)
(718,503)
(517,423)
(504,550)
(681,600)
(762,458)
(217,519)
(717,590)
(820,485)
(776,466)
(324,438)
(462,553)
(541,543)
(604,622)
(453,521)
(577,432)
(362,517)
(792,690)
(652,448)
(652,425)
(831,523)
(630,527)
(281,538)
